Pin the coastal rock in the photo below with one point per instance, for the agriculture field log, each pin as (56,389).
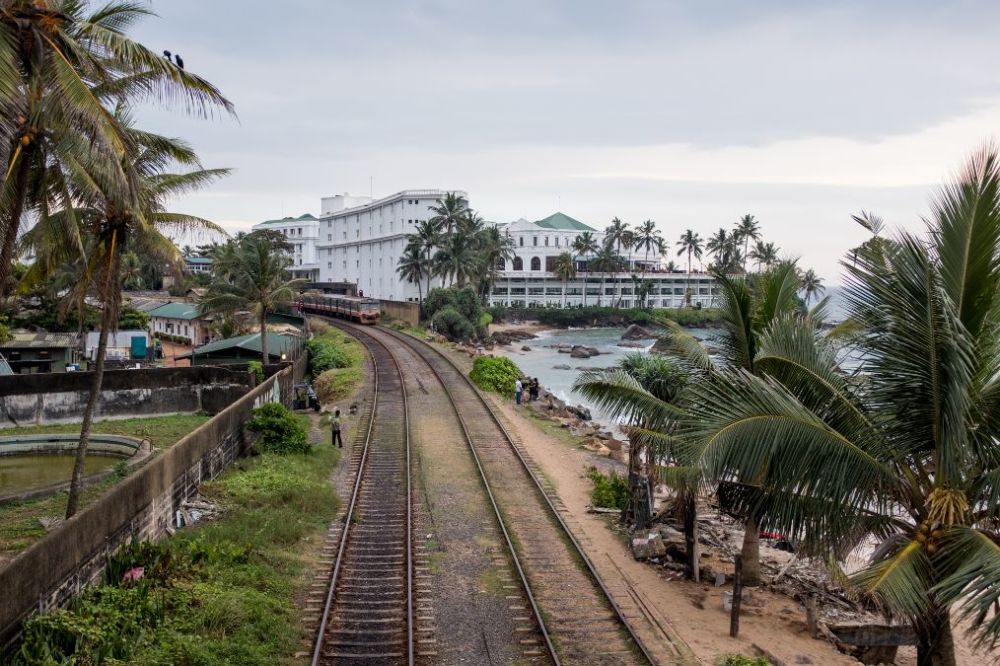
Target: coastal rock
(636,332)
(525,348)
(579,352)
(647,544)
(629,344)
(581,413)
(561,366)
(564,350)
(661,346)
(511,336)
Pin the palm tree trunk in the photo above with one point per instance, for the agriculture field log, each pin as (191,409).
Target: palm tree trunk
(564,294)
(936,644)
(76,483)
(13,224)
(690,504)
(751,553)
(265,359)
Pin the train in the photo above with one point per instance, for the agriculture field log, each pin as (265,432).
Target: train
(356,308)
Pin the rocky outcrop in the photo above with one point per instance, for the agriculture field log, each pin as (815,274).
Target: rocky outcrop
(561,366)
(525,348)
(512,336)
(631,344)
(579,351)
(636,332)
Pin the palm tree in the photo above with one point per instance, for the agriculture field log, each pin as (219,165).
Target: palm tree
(690,244)
(116,222)
(905,447)
(258,282)
(494,247)
(450,212)
(585,245)
(458,259)
(617,234)
(412,267)
(648,237)
(427,237)
(605,260)
(645,393)
(747,229)
(812,285)
(131,271)
(58,67)
(764,254)
(565,270)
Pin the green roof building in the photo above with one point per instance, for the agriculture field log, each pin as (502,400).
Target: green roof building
(245,348)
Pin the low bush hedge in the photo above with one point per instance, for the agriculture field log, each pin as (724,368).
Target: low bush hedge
(610,491)
(606,316)
(279,429)
(496,374)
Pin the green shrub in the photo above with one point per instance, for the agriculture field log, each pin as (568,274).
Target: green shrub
(328,351)
(256,368)
(496,374)
(279,429)
(740,660)
(450,323)
(609,491)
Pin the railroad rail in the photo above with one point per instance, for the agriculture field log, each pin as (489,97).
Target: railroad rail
(581,615)
(368,614)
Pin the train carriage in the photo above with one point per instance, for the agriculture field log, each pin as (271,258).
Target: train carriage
(358,309)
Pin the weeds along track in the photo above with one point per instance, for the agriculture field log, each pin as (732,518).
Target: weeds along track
(368,611)
(578,617)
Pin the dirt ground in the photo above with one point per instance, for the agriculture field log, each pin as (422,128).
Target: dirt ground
(526,326)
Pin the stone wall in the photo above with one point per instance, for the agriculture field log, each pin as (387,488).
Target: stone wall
(60,398)
(401,311)
(144,504)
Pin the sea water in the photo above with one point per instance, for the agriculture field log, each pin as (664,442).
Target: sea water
(540,362)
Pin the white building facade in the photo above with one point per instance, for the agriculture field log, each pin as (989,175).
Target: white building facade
(529,281)
(302,234)
(361,240)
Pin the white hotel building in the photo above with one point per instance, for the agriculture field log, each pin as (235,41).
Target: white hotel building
(528,280)
(360,240)
(301,233)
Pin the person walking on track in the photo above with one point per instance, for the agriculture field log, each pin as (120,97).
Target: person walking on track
(335,425)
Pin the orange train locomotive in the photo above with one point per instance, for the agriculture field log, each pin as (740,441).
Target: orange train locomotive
(361,310)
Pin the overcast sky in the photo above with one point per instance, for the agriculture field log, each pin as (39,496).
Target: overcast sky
(688,113)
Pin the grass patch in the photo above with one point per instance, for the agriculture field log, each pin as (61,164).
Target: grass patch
(19,522)
(162,431)
(337,362)
(222,593)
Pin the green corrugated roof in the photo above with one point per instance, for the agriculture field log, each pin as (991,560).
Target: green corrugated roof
(563,222)
(198,260)
(301,218)
(276,343)
(176,311)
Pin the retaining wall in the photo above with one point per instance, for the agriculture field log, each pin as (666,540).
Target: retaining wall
(144,504)
(60,398)
(401,311)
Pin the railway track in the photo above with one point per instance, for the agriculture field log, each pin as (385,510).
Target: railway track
(577,616)
(368,612)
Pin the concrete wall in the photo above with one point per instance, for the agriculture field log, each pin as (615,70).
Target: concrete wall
(57,568)
(44,398)
(401,311)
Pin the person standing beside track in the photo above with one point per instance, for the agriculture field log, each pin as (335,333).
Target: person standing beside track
(335,426)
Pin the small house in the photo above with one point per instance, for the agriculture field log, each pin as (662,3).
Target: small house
(31,352)
(122,346)
(245,348)
(183,321)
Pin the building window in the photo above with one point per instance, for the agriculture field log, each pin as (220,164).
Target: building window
(329,264)
(534,241)
(557,241)
(501,264)
(520,241)
(329,237)
(536,264)
(546,241)
(518,264)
